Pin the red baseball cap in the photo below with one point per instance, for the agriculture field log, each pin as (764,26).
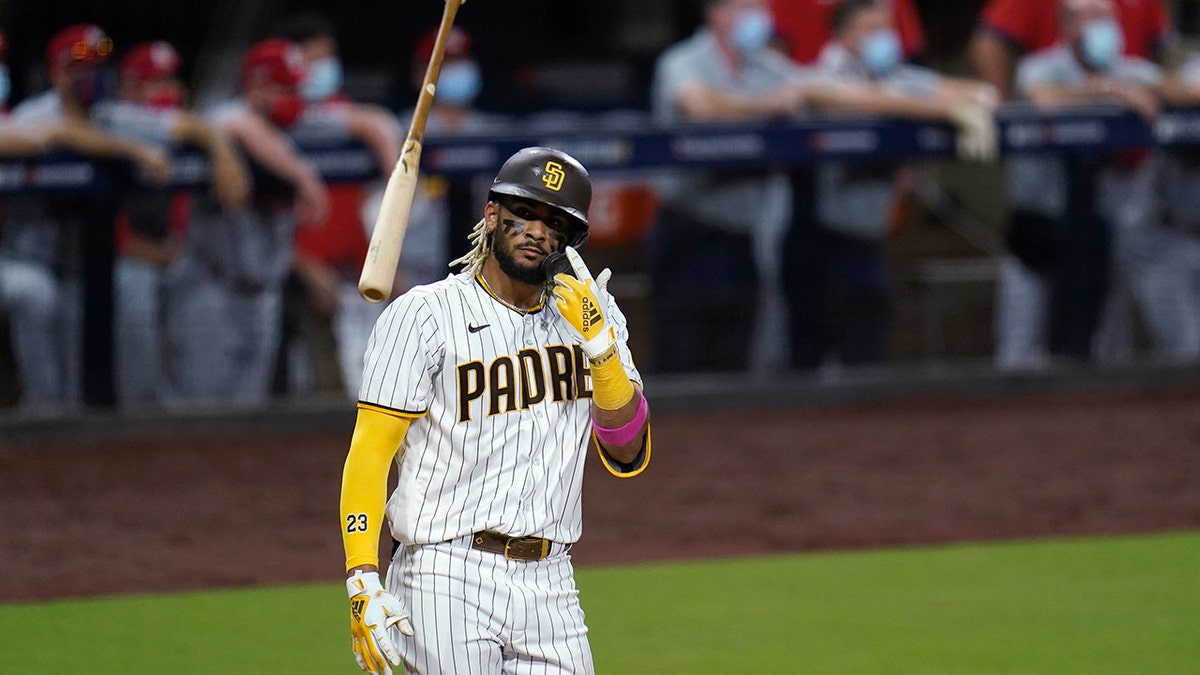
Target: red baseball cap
(83,43)
(458,43)
(279,60)
(151,61)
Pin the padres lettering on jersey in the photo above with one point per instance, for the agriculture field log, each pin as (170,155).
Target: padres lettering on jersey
(512,383)
(502,400)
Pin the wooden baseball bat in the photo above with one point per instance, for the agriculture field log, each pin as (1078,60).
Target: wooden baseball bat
(379,269)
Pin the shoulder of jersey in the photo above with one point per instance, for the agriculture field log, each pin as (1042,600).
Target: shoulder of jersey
(450,284)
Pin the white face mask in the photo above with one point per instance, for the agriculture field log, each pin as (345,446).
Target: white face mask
(1102,43)
(752,30)
(459,83)
(881,51)
(323,80)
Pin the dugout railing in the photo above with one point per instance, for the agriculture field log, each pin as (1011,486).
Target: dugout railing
(606,144)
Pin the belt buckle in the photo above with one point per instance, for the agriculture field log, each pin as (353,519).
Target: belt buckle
(508,542)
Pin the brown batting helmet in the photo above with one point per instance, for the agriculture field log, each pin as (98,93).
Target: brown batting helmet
(549,176)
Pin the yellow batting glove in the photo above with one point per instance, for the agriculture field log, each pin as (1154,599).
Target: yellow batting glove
(581,307)
(372,612)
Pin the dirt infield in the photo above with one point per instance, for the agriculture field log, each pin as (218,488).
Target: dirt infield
(99,517)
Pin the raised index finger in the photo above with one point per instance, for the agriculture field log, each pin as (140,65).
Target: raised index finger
(581,271)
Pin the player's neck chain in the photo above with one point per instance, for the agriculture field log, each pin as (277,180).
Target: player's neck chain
(540,303)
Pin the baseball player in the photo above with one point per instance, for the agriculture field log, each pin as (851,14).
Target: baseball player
(223,330)
(150,108)
(488,393)
(40,257)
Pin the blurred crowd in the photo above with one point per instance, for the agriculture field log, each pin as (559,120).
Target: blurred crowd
(234,292)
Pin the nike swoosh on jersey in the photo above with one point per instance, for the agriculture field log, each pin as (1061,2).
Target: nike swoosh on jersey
(475,329)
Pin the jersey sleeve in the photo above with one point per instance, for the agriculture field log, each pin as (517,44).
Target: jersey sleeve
(1032,72)
(140,123)
(403,356)
(908,24)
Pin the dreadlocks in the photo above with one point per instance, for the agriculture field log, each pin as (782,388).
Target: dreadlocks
(473,260)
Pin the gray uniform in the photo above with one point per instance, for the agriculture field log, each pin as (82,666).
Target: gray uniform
(840,290)
(1172,268)
(226,293)
(40,273)
(139,312)
(1039,185)
(40,282)
(713,254)
(853,198)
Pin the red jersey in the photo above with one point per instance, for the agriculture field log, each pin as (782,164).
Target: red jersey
(1032,25)
(805,25)
(341,240)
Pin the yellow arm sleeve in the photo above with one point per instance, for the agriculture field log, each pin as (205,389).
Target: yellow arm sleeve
(377,437)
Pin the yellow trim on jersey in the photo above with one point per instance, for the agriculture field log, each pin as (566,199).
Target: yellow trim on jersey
(615,468)
(394,412)
(378,433)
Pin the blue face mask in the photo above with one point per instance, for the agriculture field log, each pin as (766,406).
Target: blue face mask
(5,84)
(323,80)
(459,83)
(881,51)
(1102,43)
(752,31)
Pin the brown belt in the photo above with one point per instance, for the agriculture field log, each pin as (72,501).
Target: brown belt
(513,548)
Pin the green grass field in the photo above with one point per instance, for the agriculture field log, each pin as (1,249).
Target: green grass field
(1107,605)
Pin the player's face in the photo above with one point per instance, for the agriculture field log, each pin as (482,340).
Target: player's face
(525,233)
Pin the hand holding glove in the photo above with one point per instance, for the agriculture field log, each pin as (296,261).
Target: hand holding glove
(578,300)
(372,612)
(977,135)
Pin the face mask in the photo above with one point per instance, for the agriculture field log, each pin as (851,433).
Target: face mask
(459,83)
(166,95)
(286,110)
(5,84)
(1101,43)
(881,51)
(323,80)
(752,31)
(168,99)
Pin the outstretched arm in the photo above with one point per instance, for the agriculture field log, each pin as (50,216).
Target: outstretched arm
(994,60)
(85,138)
(377,129)
(269,148)
(230,180)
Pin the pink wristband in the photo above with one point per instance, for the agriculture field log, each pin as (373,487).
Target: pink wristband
(624,434)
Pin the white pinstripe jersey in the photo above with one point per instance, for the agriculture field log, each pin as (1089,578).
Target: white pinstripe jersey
(504,403)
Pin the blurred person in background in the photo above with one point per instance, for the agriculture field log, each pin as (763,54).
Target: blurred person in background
(703,255)
(326,320)
(40,262)
(224,332)
(154,219)
(1076,224)
(1011,29)
(1172,254)
(425,256)
(804,26)
(837,281)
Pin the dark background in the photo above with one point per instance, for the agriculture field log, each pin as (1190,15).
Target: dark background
(536,54)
